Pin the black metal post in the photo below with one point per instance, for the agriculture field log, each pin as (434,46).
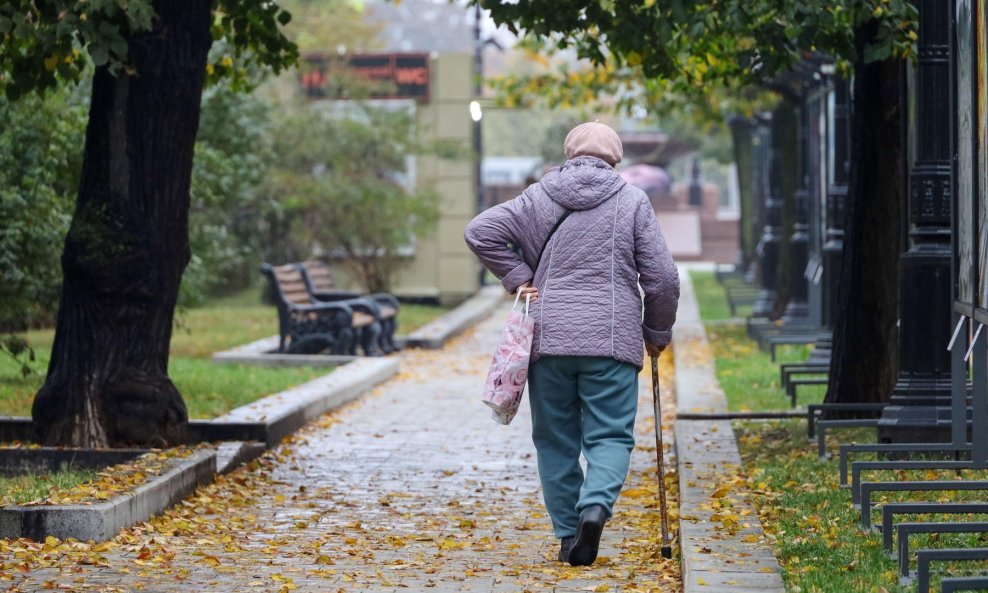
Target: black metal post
(771,219)
(925,300)
(797,310)
(478,140)
(696,190)
(836,202)
(769,255)
(759,182)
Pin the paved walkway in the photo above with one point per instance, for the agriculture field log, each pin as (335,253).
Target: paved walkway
(411,488)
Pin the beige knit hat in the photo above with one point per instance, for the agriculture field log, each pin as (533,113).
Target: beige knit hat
(594,139)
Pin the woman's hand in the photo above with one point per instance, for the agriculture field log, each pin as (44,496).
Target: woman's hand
(653,350)
(528,289)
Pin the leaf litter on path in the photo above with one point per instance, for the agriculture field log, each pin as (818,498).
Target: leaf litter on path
(272,526)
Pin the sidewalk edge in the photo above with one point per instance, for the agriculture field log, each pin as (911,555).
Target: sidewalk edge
(437,332)
(719,552)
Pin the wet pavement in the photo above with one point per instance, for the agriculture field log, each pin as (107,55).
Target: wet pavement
(413,487)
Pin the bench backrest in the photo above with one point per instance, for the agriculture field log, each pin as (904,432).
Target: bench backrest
(320,276)
(290,284)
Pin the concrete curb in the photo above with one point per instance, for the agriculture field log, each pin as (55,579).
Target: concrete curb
(267,420)
(49,459)
(13,428)
(714,558)
(437,332)
(232,454)
(701,393)
(263,352)
(102,521)
(283,413)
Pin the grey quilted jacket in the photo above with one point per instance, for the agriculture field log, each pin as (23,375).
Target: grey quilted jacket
(590,303)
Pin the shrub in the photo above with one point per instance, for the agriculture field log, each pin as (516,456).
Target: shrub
(344,174)
(39,176)
(233,149)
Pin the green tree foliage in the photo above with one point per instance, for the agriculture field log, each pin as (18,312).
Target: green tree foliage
(324,25)
(701,59)
(39,175)
(344,176)
(39,178)
(107,382)
(730,42)
(45,44)
(233,152)
(41,41)
(17,348)
(551,146)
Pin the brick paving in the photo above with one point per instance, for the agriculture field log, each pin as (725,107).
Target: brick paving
(413,487)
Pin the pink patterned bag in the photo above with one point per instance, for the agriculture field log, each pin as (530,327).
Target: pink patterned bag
(509,369)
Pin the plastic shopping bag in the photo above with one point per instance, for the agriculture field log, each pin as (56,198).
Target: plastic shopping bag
(509,369)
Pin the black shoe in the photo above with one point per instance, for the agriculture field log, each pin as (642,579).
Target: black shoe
(565,544)
(584,550)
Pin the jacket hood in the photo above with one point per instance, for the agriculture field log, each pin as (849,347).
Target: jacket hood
(582,183)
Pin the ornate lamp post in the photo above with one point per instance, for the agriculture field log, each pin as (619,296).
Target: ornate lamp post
(768,245)
(797,311)
(836,201)
(925,267)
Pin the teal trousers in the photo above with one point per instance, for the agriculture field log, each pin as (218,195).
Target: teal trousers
(588,404)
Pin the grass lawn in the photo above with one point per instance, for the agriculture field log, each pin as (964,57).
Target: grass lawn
(815,531)
(21,489)
(413,316)
(748,376)
(209,389)
(818,538)
(710,296)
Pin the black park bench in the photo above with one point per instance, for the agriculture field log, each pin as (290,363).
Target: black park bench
(383,306)
(309,326)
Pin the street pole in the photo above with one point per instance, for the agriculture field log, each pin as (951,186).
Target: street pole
(925,300)
(771,220)
(833,246)
(478,141)
(797,311)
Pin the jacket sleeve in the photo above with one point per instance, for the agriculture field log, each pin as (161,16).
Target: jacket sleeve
(489,234)
(658,277)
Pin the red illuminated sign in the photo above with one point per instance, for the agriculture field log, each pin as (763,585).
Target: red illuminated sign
(379,76)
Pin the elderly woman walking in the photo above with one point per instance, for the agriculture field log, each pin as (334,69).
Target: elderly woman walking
(590,248)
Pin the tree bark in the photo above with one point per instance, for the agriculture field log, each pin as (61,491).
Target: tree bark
(742,136)
(128,245)
(863,366)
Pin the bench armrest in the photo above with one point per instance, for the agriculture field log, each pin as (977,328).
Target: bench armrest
(364,305)
(321,308)
(386,299)
(336,295)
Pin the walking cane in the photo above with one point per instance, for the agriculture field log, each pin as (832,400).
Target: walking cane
(663,513)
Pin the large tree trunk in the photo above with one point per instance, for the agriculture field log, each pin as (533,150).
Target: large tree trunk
(742,136)
(863,364)
(128,245)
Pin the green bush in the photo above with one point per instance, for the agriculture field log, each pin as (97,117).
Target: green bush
(233,149)
(342,173)
(39,175)
(39,178)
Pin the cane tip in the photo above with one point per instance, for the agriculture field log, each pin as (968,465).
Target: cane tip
(667,552)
